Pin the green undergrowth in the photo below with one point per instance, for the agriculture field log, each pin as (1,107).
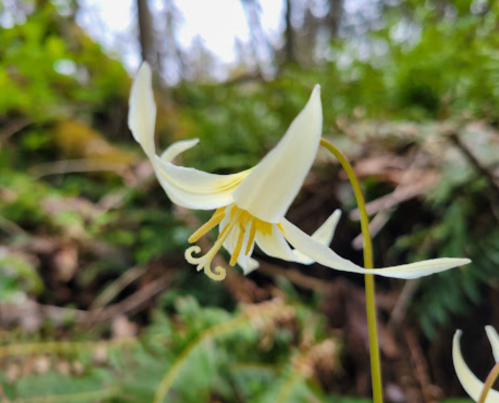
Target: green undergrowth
(263,353)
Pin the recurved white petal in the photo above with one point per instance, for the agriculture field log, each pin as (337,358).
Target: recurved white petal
(274,244)
(494,341)
(194,189)
(142,110)
(177,148)
(187,187)
(273,184)
(327,257)
(471,384)
(323,235)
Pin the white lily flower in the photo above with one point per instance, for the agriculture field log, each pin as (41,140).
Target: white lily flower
(250,205)
(471,384)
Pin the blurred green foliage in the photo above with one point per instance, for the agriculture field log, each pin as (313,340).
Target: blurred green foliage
(193,345)
(48,66)
(55,80)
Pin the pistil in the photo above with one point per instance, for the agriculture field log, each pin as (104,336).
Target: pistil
(204,262)
(244,220)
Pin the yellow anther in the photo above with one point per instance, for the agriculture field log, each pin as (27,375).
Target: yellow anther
(208,226)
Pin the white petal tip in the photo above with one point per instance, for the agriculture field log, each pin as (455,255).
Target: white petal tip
(144,73)
(455,261)
(494,341)
(492,335)
(144,65)
(316,93)
(142,109)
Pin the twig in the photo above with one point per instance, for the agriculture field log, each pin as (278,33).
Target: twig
(376,224)
(11,227)
(405,297)
(58,347)
(71,166)
(59,314)
(421,366)
(293,275)
(13,128)
(132,302)
(115,198)
(73,397)
(117,286)
(399,195)
(493,193)
(491,179)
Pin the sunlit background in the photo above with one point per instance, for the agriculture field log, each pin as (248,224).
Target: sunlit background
(97,303)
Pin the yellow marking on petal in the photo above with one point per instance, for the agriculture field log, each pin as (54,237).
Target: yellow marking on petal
(251,236)
(280,227)
(208,226)
(264,227)
(243,217)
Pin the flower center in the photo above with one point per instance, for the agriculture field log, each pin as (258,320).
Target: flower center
(238,223)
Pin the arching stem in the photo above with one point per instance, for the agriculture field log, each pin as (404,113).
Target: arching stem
(369,278)
(488,383)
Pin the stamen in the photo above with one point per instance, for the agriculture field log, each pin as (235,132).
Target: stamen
(208,226)
(237,250)
(233,216)
(218,274)
(251,236)
(204,262)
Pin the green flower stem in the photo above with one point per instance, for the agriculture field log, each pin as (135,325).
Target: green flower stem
(488,383)
(369,278)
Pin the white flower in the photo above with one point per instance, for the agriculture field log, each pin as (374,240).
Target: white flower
(250,205)
(471,384)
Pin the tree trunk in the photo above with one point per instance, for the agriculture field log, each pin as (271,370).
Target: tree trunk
(334,16)
(289,34)
(261,48)
(148,49)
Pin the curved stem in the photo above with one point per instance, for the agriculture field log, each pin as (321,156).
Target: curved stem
(369,278)
(491,378)
(176,367)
